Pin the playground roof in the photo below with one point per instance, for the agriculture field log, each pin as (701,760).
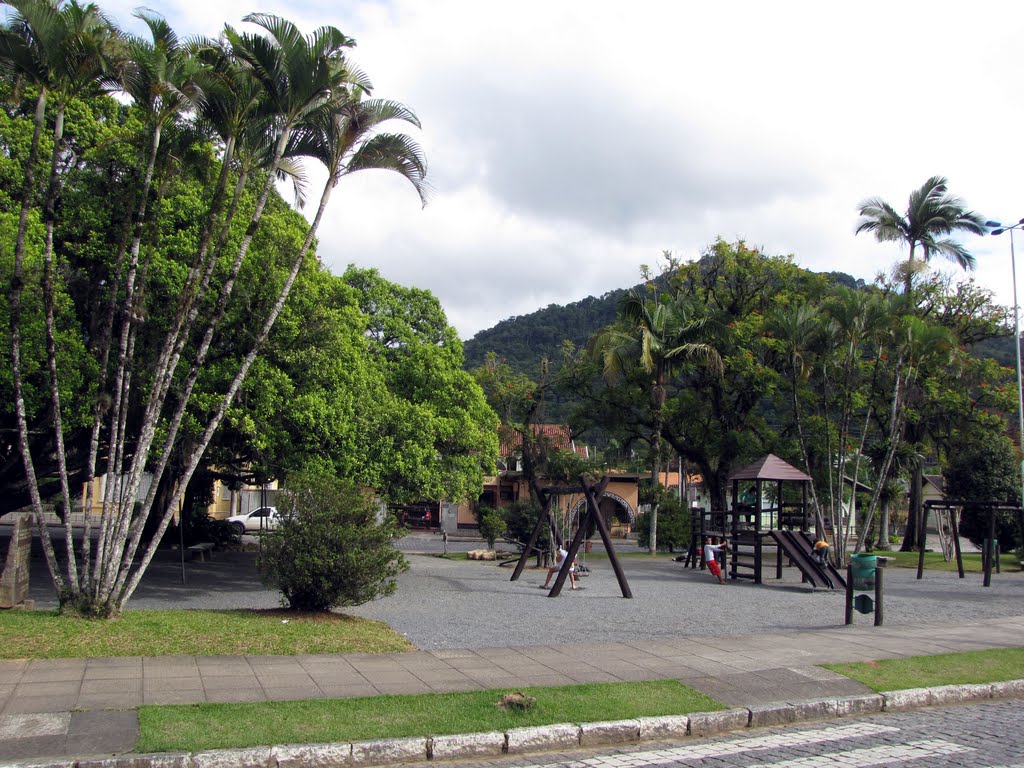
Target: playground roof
(769,467)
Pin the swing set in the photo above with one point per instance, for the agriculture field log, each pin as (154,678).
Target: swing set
(592,491)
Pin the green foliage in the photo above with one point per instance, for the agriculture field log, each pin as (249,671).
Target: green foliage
(520,519)
(986,469)
(492,525)
(673,525)
(202,528)
(330,549)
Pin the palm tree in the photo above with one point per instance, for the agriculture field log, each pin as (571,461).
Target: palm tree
(656,336)
(63,49)
(932,213)
(304,78)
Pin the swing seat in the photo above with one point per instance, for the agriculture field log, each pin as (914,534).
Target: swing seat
(582,569)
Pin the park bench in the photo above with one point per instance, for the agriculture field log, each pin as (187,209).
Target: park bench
(203,550)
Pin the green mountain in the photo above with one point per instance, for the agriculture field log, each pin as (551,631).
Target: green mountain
(523,341)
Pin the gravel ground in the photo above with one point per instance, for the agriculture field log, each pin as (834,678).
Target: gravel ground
(458,604)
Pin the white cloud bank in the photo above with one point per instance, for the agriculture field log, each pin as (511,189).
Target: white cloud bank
(571,141)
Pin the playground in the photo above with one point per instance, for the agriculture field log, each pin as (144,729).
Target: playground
(455,603)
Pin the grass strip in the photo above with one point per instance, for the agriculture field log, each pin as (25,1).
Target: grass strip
(47,635)
(934,561)
(988,666)
(215,726)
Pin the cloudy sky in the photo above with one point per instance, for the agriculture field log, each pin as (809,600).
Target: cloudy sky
(570,142)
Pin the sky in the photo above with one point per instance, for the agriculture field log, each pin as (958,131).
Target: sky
(570,142)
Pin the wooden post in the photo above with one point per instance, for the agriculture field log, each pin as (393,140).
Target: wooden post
(545,518)
(920,541)
(990,544)
(954,518)
(592,503)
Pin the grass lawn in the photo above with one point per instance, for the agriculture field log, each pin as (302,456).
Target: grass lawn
(944,669)
(46,635)
(212,726)
(933,561)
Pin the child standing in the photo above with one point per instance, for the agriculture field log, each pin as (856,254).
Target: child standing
(711,551)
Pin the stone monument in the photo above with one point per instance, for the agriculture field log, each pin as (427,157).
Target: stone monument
(14,579)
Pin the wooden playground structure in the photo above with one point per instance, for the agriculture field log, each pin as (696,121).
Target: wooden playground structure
(751,527)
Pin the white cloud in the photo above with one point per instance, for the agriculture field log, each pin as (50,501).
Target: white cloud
(571,141)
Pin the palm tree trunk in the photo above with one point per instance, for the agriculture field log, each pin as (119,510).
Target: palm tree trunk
(128,587)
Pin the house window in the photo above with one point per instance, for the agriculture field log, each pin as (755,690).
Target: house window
(506,494)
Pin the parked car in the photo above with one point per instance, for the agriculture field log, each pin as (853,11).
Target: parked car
(262,519)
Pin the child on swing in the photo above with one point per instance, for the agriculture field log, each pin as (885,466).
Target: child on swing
(557,566)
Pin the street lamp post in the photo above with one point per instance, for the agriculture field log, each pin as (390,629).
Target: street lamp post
(998,229)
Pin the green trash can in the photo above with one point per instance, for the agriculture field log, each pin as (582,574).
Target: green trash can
(863,569)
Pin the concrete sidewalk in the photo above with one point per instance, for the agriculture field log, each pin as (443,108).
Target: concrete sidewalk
(78,708)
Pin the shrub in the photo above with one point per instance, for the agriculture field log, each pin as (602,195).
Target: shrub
(673,525)
(330,549)
(492,525)
(520,519)
(202,527)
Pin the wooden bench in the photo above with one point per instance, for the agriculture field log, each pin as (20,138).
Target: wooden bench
(203,550)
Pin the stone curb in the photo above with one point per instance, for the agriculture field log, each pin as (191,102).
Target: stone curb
(549,738)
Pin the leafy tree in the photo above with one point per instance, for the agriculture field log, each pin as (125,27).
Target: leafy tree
(330,550)
(719,422)
(656,335)
(986,469)
(158,295)
(673,525)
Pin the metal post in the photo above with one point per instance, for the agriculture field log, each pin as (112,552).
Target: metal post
(849,593)
(1016,347)
(998,230)
(878,596)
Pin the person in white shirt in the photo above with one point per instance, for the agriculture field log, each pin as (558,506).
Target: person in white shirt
(711,551)
(557,566)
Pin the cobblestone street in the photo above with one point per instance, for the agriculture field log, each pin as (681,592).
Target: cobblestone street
(979,736)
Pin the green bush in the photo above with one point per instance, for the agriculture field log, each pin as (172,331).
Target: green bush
(330,549)
(492,525)
(673,525)
(202,528)
(520,518)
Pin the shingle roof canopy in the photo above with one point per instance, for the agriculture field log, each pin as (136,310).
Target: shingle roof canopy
(770,467)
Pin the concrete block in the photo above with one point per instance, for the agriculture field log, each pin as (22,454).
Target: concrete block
(711,723)
(253,757)
(869,703)
(68,763)
(467,745)
(539,739)
(1008,689)
(385,751)
(664,728)
(954,694)
(762,715)
(163,760)
(313,755)
(809,709)
(906,700)
(609,732)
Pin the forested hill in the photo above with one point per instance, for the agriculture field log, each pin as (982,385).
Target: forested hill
(523,341)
